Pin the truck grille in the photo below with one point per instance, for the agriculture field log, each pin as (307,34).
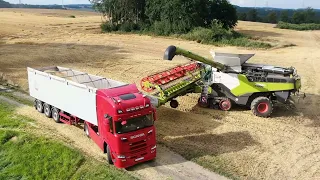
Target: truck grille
(139,146)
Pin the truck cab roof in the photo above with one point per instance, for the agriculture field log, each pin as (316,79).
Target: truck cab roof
(126,98)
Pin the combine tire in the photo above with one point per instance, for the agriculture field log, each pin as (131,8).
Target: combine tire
(55,115)
(262,107)
(39,106)
(47,110)
(225,104)
(203,102)
(174,103)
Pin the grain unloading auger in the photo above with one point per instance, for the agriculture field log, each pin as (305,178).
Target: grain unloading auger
(225,81)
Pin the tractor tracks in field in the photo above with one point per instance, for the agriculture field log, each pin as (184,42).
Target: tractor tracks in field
(168,165)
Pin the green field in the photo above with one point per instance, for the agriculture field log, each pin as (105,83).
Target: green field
(25,155)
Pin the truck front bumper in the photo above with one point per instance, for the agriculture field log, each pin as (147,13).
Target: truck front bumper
(131,160)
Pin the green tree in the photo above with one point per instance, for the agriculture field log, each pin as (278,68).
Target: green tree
(224,12)
(272,17)
(242,16)
(4,4)
(284,16)
(299,17)
(310,15)
(121,11)
(252,15)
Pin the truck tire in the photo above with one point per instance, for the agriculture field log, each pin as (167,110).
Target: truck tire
(47,110)
(86,130)
(55,115)
(262,107)
(39,106)
(109,157)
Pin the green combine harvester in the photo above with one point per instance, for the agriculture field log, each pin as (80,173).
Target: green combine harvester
(227,80)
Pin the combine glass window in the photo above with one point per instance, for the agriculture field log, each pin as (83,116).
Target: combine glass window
(134,124)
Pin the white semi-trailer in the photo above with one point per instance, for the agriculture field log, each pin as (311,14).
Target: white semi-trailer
(116,115)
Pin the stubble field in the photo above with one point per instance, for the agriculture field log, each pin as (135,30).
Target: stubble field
(235,143)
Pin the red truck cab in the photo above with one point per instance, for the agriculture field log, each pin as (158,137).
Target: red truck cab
(125,128)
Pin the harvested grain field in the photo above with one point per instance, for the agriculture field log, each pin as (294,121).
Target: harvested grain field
(233,143)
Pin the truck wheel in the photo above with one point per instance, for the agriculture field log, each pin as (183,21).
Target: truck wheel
(86,130)
(39,106)
(109,157)
(174,104)
(262,107)
(55,115)
(47,110)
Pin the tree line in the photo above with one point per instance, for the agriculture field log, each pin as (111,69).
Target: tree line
(165,16)
(307,15)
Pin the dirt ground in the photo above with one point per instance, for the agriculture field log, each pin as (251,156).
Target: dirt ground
(285,146)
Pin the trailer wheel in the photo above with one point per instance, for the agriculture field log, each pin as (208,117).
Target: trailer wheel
(86,130)
(55,115)
(262,107)
(47,110)
(109,157)
(39,106)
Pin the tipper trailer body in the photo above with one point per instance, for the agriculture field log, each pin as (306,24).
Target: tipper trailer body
(116,116)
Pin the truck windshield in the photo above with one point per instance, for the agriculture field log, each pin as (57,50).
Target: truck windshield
(134,124)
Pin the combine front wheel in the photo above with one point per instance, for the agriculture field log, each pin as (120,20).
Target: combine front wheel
(225,104)
(174,103)
(262,107)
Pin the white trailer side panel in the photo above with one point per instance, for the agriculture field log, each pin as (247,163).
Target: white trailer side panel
(71,97)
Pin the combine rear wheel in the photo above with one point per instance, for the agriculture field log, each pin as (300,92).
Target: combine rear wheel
(262,107)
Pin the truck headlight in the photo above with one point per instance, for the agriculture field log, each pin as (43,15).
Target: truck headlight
(147,105)
(154,147)
(121,156)
(120,111)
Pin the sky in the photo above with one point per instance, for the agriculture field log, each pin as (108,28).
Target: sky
(292,4)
